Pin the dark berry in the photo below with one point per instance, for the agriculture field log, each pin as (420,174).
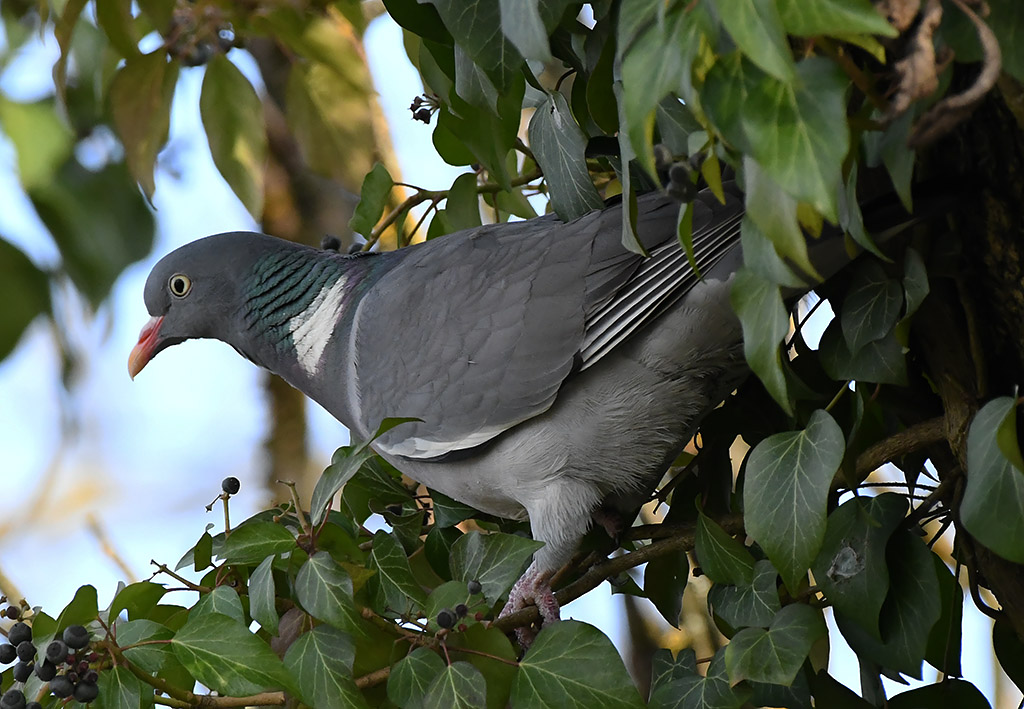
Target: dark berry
(83,667)
(61,687)
(85,692)
(46,670)
(12,612)
(91,676)
(72,676)
(22,671)
(76,636)
(461,610)
(26,650)
(13,699)
(230,485)
(7,654)
(446,618)
(474,586)
(19,633)
(57,651)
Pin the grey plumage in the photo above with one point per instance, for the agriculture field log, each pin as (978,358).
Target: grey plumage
(552,369)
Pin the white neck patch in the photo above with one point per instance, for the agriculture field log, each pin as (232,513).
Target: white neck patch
(313,327)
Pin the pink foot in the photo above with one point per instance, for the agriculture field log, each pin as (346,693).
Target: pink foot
(533,587)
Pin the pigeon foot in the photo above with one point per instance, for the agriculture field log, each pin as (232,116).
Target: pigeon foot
(532,587)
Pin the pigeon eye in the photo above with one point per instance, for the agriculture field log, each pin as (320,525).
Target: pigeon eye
(180,285)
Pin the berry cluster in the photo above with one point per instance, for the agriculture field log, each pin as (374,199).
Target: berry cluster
(66,665)
(448,617)
(423,107)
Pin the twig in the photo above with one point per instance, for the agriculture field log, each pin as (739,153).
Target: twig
(161,568)
(303,522)
(373,679)
(911,439)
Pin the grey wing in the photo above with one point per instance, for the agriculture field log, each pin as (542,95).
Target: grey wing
(472,334)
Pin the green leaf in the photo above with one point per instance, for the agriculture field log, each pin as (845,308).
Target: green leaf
(412,675)
(396,587)
(807,18)
(881,361)
(328,113)
(458,686)
(851,568)
(559,146)
(851,220)
(692,691)
(523,24)
(254,541)
(137,598)
(82,610)
(775,655)
(463,204)
(477,28)
(25,291)
(438,547)
(372,199)
(948,693)
(890,147)
(560,669)
(722,558)
(1009,650)
(222,654)
(786,490)
(120,689)
(675,124)
(1007,22)
(915,283)
(798,134)
(491,653)
(911,609)
(748,605)
(96,245)
(324,589)
(945,642)
(345,463)
(871,307)
(41,139)
(449,512)
(262,596)
(666,668)
(472,84)
(495,560)
(222,600)
(664,582)
(760,256)
(774,212)
(115,19)
(993,505)
(233,118)
(765,321)
(150,657)
(757,29)
(627,157)
(321,662)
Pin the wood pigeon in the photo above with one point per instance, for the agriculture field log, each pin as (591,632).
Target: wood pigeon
(554,372)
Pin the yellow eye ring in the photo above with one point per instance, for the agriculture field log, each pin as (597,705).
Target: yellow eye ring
(179,284)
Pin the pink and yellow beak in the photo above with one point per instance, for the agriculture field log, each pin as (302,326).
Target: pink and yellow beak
(146,347)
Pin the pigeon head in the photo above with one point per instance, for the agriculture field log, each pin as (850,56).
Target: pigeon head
(196,291)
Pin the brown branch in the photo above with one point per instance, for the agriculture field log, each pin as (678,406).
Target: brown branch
(911,439)
(373,679)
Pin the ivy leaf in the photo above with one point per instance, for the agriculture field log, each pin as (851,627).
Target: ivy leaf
(119,688)
(993,505)
(491,653)
(765,321)
(851,567)
(372,199)
(233,118)
(255,540)
(115,19)
(775,655)
(881,361)
(221,653)
(774,212)
(151,657)
(396,587)
(458,686)
(222,600)
(324,590)
(136,598)
(757,29)
(666,668)
(786,491)
(807,18)
(495,560)
(722,559)
(797,132)
(950,692)
(559,670)
(41,140)
(664,582)
(463,205)
(871,307)
(748,605)
(692,691)
(411,677)
(262,596)
(321,662)
(559,146)
(477,28)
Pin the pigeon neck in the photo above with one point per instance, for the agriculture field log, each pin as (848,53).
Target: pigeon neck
(294,301)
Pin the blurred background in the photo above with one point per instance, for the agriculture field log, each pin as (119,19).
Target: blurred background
(101,475)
